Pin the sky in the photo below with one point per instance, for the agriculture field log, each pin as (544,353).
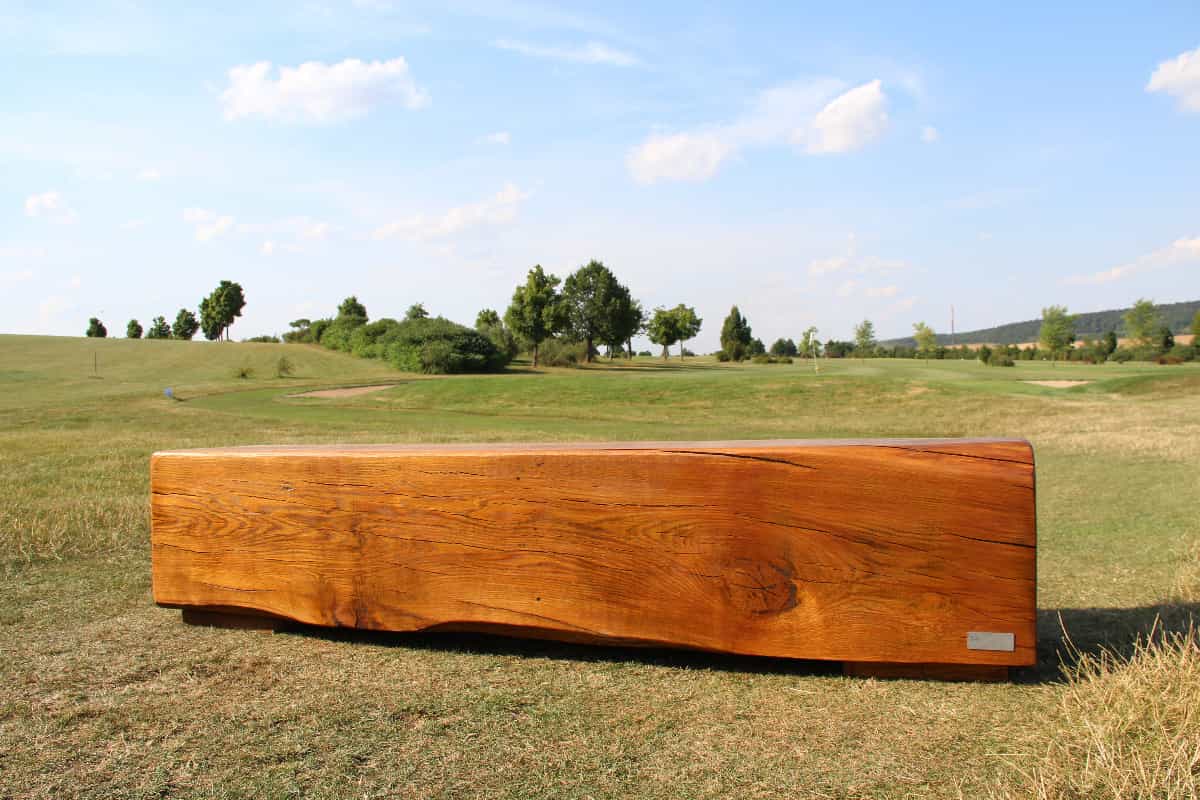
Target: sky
(815,164)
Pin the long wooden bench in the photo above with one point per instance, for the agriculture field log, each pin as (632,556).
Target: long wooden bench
(896,557)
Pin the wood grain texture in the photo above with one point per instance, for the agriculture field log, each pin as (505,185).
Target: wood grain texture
(863,551)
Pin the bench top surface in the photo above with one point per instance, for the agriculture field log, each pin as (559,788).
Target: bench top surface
(1008,449)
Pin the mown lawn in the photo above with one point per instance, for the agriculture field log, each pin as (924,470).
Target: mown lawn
(102,694)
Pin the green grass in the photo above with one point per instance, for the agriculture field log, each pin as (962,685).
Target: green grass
(102,694)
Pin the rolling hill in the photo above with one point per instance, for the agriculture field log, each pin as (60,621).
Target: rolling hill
(1178,316)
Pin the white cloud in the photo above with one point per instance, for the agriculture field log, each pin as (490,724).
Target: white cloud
(499,137)
(497,209)
(679,157)
(882,291)
(21,253)
(847,288)
(849,122)
(75,282)
(800,113)
(589,53)
(1180,78)
(929,134)
(209,224)
(132,224)
(51,206)
(319,92)
(149,174)
(1181,251)
(268,248)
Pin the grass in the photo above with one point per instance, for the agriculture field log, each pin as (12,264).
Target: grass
(102,694)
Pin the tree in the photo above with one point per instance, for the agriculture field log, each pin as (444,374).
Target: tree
(1196,329)
(1165,339)
(1058,331)
(663,329)
(534,314)
(220,309)
(185,326)
(736,336)
(1142,322)
(1108,345)
(416,311)
(348,309)
(159,329)
(926,339)
(688,325)
(810,347)
(756,348)
(488,323)
(133,330)
(96,329)
(591,300)
(627,320)
(864,337)
(783,347)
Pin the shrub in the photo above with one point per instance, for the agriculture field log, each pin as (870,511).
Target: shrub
(1167,358)
(284,367)
(645,353)
(263,339)
(245,371)
(764,358)
(1184,352)
(723,356)
(366,341)
(560,353)
(1121,355)
(437,345)
(985,353)
(1000,358)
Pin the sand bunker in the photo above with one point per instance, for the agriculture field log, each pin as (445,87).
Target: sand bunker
(1059,384)
(353,391)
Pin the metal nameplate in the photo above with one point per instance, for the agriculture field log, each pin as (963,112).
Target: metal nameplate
(987,640)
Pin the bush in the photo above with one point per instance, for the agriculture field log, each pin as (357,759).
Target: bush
(985,353)
(245,372)
(437,346)
(763,358)
(263,339)
(284,367)
(1000,358)
(367,341)
(560,353)
(723,356)
(1167,358)
(1184,352)
(1121,355)
(645,353)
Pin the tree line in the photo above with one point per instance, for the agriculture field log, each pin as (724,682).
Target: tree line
(558,321)
(218,310)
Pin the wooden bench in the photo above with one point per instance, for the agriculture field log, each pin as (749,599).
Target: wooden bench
(897,557)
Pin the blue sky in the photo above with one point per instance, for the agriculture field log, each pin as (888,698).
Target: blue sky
(816,165)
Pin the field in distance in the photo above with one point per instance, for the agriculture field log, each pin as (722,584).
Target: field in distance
(103,694)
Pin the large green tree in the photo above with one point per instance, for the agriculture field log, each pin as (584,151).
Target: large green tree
(627,320)
(416,311)
(663,329)
(185,326)
(1058,331)
(348,309)
(864,338)
(926,339)
(159,329)
(592,299)
(736,336)
(219,310)
(133,330)
(96,329)
(535,313)
(689,324)
(1142,322)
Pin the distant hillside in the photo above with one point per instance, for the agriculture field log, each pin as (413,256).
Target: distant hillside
(1177,315)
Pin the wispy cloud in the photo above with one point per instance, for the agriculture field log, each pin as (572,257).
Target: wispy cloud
(500,208)
(498,137)
(319,92)
(209,225)
(1180,78)
(51,206)
(851,262)
(149,174)
(800,113)
(1181,251)
(587,53)
(930,135)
